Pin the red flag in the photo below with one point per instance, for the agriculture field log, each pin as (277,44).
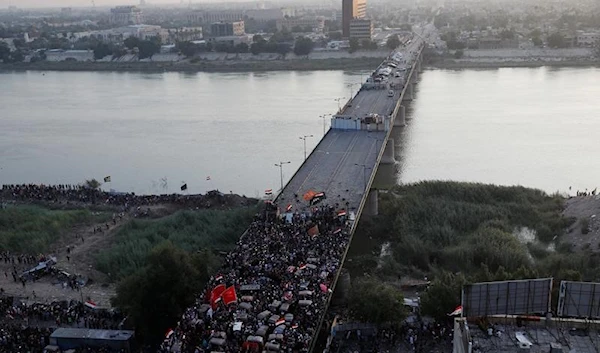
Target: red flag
(216,294)
(314,231)
(288,208)
(229,296)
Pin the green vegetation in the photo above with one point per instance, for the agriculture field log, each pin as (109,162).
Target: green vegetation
(32,230)
(461,232)
(156,295)
(188,230)
(376,302)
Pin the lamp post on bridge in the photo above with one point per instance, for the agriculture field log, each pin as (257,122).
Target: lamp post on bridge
(351,86)
(364,167)
(338,102)
(323,117)
(304,138)
(280,165)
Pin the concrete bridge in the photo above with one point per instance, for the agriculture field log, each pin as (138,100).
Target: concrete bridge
(345,162)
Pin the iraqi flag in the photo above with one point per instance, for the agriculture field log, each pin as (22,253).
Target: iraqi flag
(269,192)
(215,295)
(90,304)
(457,311)
(302,267)
(341,213)
(107,179)
(337,231)
(183,187)
(280,322)
(208,178)
(289,208)
(219,277)
(169,333)
(229,296)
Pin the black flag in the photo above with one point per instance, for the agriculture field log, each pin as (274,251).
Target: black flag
(183,187)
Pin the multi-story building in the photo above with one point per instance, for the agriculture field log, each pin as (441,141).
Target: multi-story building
(126,15)
(361,29)
(208,17)
(352,9)
(315,24)
(226,29)
(588,39)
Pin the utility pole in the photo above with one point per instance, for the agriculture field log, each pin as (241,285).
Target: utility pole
(280,165)
(339,105)
(304,138)
(324,125)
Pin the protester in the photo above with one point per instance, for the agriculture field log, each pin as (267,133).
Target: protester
(290,260)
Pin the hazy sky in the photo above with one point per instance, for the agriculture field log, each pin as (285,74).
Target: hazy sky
(58,3)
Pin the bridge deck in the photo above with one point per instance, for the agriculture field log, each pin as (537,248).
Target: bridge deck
(332,168)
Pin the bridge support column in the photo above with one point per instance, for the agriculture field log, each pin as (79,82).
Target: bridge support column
(372,204)
(388,153)
(419,68)
(408,92)
(400,117)
(415,75)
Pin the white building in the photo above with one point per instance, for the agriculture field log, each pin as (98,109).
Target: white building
(125,15)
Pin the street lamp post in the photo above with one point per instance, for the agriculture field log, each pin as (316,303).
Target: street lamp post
(324,124)
(351,86)
(338,102)
(280,165)
(304,138)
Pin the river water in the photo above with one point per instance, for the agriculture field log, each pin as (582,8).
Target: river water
(151,133)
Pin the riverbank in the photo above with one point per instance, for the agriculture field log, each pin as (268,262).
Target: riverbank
(478,64)
(363,63)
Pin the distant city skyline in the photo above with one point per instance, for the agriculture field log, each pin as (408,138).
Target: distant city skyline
(85,3)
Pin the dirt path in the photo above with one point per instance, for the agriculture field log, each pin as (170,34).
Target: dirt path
(587,210)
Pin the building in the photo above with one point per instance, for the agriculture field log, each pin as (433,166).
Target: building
(588,39)
(125,15)
(315,24)
(361,29)
(264,15)
(226,29)
(208,17)
(352,9)
(497,43)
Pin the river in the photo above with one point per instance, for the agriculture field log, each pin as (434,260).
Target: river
(154,132)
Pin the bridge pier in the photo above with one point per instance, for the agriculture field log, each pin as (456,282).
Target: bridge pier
(419,68)
(400,117)
(388,153)
(408,92)
(415,75)
(372,204)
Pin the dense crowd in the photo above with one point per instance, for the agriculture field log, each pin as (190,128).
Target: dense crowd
(290,268)
(79,194)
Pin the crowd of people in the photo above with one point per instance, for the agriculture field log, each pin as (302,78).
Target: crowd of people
(80,194)
(282,268)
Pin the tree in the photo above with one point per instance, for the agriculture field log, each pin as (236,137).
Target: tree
(337,35)
(392,42)
(556,40)
(303,46)
(368,44)
(443,295)
(376,302)
(157,294)
(188,49)
(354,45)
(537,41)
(101,51)
(4,51)
(459,54)
(131,42)
(241,48)
(147,49)
(257,38)
(92,184)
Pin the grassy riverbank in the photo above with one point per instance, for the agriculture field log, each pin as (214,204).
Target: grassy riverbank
(461,232)
(191,231)
(32,229)
(202,66)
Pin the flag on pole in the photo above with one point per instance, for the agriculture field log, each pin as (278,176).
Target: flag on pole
(457,311)
(208,177)
(170,332)
(269,192)
(289,208)
(107,179)
(183,187)
(90,304)
(229,296)
(216,294)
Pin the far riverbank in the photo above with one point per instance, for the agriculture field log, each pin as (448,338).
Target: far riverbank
(364,63)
